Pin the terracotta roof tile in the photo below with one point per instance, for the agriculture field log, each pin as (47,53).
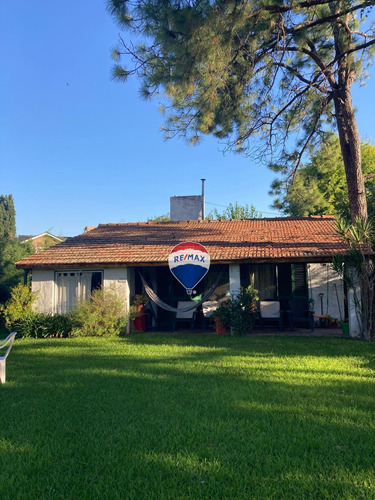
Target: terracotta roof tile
(308,238)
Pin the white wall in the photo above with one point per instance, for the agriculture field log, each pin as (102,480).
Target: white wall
(323,279)
(43,284)
(186,208)
(118,277)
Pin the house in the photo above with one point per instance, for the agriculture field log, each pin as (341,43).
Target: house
(282,257)
(41,241)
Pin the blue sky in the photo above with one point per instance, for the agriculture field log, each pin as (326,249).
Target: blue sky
(78,149)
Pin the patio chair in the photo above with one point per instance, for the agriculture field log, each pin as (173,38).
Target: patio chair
(269,311)
(3,343)
(299,312)
(184,316)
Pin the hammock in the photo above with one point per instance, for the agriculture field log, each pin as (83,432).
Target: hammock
(152,295)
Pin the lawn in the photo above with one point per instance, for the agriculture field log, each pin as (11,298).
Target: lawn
(154,416)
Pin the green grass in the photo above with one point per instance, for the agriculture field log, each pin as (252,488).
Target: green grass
(188,417)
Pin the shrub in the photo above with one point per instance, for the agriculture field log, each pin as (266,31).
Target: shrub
(242,310)
(223,313)
(104,314)
(19,306)
(239,311)
(38,325)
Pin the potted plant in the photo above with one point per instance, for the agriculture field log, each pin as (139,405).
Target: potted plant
(332,322)
(137,314)
(344,327)
(222,317)
(139,301)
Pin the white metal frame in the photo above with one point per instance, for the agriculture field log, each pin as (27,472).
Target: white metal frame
(3,343)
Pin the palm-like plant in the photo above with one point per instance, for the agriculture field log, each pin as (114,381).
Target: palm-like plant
(357,269)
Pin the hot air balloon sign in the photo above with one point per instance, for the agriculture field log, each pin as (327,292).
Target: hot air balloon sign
(189,263)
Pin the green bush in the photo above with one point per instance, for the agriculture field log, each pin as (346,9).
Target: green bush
(223,313)
(242,309)
(103,315)
(19,306)
(38,325)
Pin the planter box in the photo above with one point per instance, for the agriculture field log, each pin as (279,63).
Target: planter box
(345,328)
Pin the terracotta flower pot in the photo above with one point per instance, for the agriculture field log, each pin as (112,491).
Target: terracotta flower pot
(220,330)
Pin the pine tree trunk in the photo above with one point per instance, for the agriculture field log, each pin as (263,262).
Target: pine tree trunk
(345,119)
(351,152)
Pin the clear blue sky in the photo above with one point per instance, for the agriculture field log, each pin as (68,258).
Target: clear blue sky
(78,149)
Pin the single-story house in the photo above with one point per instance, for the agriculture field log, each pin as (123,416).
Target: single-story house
(282,257)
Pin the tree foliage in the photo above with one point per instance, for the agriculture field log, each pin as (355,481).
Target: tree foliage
(7,217)
(240,69)
(319,187)
(10,249)
(235,211)
(160,218)
(10,252)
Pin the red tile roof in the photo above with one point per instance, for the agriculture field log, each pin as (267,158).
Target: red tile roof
(149,243)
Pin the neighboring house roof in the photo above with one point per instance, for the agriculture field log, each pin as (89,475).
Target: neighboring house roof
(149,243)
(41,241)
(24,238)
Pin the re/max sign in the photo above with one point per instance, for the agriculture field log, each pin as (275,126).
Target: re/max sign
(188,256)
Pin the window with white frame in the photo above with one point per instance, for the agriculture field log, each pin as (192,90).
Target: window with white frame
(72,286)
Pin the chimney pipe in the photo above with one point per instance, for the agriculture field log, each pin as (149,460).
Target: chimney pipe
(203,214)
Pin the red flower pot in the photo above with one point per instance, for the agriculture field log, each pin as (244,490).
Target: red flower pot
(220,330)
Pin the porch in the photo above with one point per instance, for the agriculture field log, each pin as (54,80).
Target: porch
(312,284)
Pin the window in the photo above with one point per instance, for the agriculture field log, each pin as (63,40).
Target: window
(263,278)
(75,285)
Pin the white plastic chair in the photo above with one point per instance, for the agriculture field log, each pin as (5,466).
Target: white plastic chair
(3,344)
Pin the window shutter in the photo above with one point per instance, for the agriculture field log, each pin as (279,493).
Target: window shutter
(299,281)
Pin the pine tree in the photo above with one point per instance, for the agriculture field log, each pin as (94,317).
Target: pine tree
(319,187)
(7,217)
(281,72)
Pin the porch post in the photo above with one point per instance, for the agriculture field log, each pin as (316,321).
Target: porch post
(154,284)
(234,279)
(354,326)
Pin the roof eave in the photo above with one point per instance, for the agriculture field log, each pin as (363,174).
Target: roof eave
(248,260)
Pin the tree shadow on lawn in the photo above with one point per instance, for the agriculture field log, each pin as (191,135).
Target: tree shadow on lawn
(207,348)
(268,346)
(186,425)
